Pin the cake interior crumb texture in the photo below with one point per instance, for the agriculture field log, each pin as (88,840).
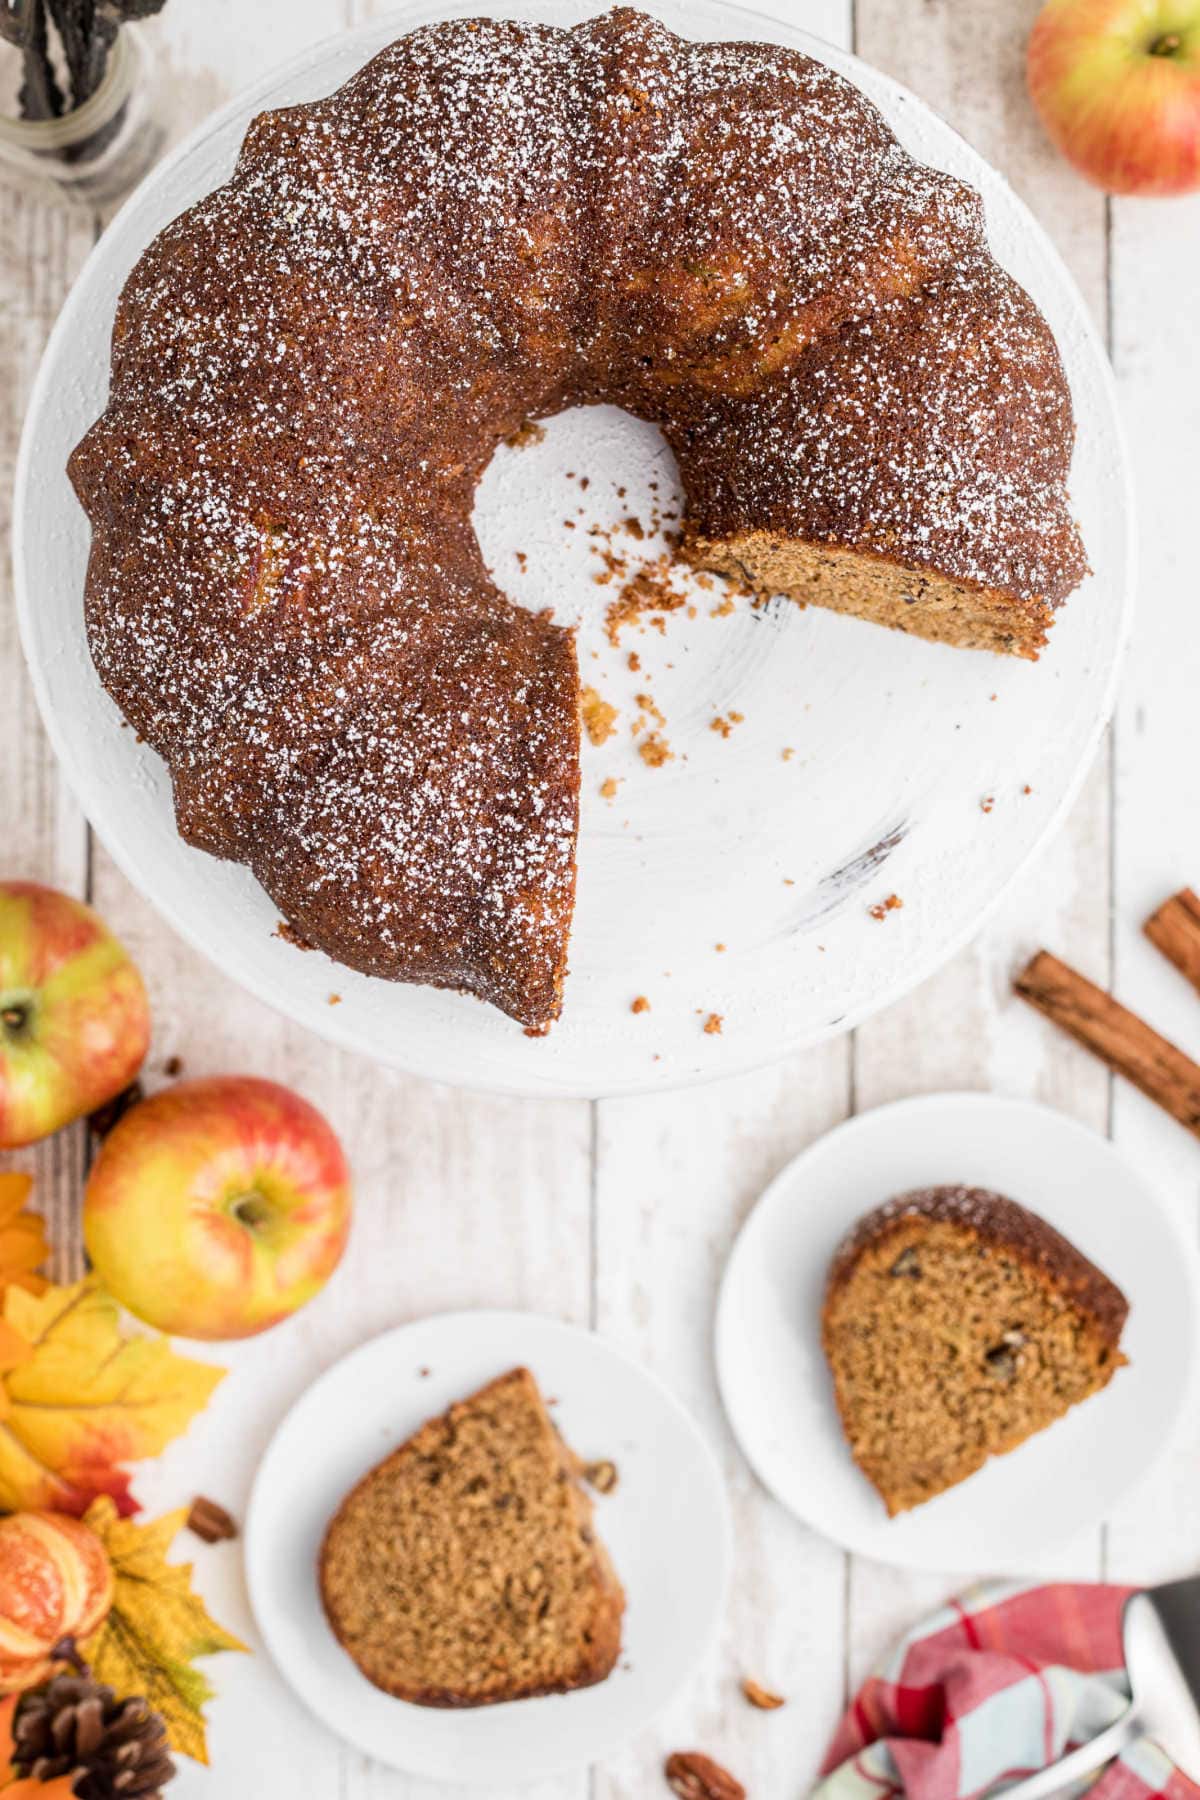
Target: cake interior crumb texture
(865,585)
(465,1570)
(956,1324)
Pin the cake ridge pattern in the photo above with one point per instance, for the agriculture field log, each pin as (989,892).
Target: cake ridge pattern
(491,222)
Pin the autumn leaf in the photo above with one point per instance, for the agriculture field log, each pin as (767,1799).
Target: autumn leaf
(17,1787)
(156,1628)
(23,1246)
(79,1398)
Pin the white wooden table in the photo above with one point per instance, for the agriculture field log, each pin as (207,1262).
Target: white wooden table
(619,1214)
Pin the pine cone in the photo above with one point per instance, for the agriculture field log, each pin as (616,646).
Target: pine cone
(114,1749)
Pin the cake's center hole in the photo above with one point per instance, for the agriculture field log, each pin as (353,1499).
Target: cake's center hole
(564,498)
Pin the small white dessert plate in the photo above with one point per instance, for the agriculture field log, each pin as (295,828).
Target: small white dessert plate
(773,1375)
(666,1527)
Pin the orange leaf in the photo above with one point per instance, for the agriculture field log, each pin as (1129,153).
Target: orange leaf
(17,1787)
(23,1246)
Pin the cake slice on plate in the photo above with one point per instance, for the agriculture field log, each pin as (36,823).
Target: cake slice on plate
(956,1324)
(464,1569)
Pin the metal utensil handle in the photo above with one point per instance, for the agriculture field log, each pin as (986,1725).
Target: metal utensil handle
(1085,1761)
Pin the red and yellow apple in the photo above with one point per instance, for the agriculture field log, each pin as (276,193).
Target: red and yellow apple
(1117,83)
(74,1021)
(218,1207)
(56,1582)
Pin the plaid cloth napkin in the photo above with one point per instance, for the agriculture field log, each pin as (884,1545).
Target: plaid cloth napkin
(995,1685)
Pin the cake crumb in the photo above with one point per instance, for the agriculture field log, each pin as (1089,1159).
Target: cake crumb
(525,435)
(1027,789)
(608,787)
(723,609)
(602,1476)
(720,946)
(713,1024)
(639,1004)
(599,715)
(883,907)
(635,661)
(764,1698)
(648,590)
(648,705)
(724,723)
(987,803)
(290,935)
(787,753)
(655,751)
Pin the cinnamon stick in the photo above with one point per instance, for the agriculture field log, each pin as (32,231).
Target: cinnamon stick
(1123,1040)
(1175,930)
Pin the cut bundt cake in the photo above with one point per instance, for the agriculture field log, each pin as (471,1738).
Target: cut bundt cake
(956,1324)
(491,222)
(464,1569)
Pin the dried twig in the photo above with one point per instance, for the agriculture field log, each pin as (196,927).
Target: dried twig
(86,32)
(40,96)
(16,22)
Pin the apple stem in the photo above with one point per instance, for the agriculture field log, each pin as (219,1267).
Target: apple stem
(13,1017)
(66,1650)
(252,1210)
(1167,44)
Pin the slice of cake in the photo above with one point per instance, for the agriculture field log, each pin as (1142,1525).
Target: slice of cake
(956,1324)
(464,1570)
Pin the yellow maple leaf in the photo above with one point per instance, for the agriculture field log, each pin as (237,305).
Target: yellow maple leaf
(19,1787)
(23,1246)
(79,1398)
(156,1628)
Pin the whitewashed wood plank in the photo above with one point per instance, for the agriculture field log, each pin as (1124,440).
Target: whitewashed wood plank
(963,1029)
(1156,349)
(676,1176)
(45,836)
(461,1200)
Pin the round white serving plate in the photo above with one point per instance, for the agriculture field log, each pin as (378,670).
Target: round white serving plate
(666,1527)
(893,744)
(776,1385)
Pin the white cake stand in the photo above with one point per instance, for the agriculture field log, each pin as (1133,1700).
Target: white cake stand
(893,744)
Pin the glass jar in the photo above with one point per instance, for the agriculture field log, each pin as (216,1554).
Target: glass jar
(94,155)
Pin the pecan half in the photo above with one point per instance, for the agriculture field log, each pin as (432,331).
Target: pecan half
(694,1776)
(210,1521)
(761,1697)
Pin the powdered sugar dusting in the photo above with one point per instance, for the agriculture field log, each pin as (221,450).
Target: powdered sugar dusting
(313,366)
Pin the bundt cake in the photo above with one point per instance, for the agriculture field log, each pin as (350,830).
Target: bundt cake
(956,1324)
(491,222)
